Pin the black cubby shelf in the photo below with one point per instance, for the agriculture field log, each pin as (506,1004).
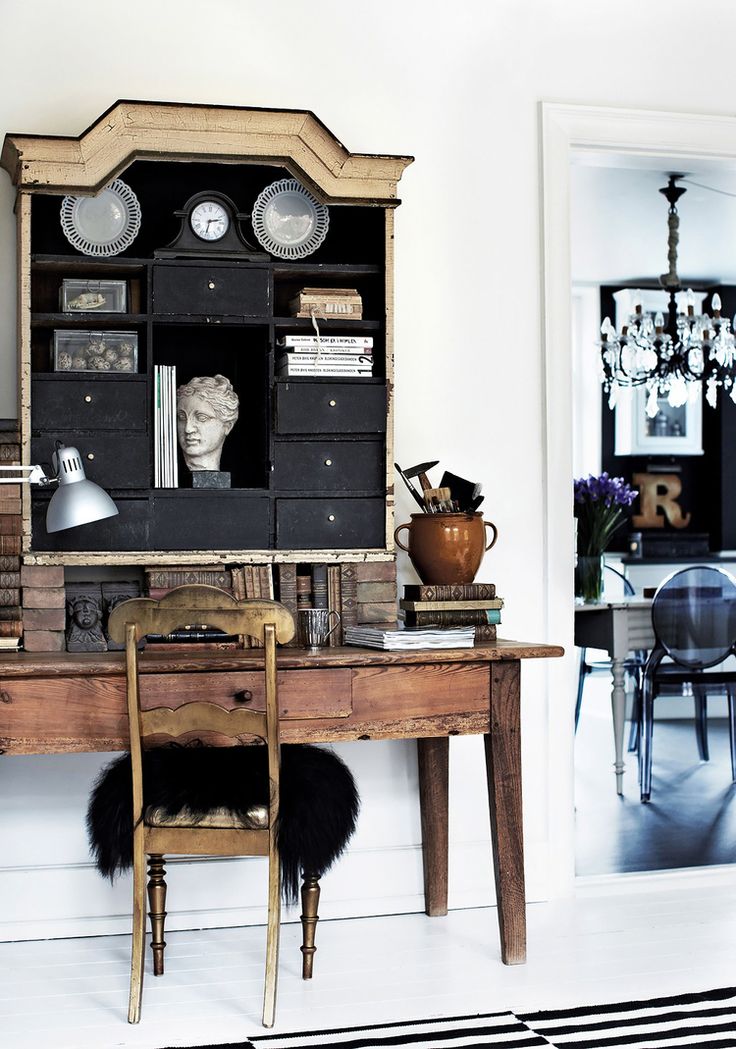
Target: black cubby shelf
(93,321)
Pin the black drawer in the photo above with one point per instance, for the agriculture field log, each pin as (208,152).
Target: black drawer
(330,408)
(328,466)
(225,291)
(189,520)
(317,524)
(127,531)
(109,459)
(87,404)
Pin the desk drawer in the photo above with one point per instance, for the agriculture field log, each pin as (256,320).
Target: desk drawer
(213,291)
(89,404)
(389,693)
(330,407)
(56,714)
(302,693)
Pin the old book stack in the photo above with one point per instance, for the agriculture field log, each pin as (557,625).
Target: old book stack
(11,615)
(44,608)
(253,582)
(342,303)
(336,355)
(159,581)
(457,604)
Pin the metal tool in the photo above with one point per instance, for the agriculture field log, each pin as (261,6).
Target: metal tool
(421,473)
(411,487)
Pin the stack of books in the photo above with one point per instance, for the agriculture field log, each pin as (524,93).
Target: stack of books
(342,355)
(394,638)
(166,471)
(11,613)
(327,302)
(454,604)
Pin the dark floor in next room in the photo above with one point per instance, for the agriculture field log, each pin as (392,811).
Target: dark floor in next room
(691,819)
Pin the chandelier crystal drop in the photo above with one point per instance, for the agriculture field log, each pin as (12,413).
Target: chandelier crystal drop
(671,356)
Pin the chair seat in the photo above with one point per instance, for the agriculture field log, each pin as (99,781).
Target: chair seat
(256,818)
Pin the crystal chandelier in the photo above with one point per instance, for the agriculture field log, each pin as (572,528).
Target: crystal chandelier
(671,357)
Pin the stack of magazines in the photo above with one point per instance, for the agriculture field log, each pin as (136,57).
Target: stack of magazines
(399,638)
(165,469)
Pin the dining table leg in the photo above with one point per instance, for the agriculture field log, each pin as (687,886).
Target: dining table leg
(618,710)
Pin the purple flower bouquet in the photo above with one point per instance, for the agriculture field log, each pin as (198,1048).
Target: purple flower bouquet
(598,506)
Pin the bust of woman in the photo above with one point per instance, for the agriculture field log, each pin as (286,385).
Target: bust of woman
(206,411)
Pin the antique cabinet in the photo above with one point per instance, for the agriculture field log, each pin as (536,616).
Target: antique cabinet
(310,458)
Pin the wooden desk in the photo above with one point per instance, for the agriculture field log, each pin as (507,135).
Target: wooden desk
(67,703)
(618,627)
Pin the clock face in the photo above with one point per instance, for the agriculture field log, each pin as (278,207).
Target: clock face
(209,220)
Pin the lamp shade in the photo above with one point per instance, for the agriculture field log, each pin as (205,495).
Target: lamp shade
(77,501)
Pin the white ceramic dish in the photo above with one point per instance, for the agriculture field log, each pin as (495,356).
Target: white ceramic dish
(105,224)
(288,221)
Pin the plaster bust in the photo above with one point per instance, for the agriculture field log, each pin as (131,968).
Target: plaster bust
(206,411)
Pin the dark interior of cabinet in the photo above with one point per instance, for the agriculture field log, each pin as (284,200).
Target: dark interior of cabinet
(241,355)
(253,514)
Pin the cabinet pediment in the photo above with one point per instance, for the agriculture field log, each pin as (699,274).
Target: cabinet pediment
(129,130)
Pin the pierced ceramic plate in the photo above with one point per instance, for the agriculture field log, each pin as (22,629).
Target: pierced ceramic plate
(288,221)
(105,224)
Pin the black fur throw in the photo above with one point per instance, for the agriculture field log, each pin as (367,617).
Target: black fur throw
(319,801)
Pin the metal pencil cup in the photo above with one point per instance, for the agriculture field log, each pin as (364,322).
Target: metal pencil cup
(314,627)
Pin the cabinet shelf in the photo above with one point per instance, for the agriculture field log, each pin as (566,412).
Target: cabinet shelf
(329,324)
(83,265)
(87,319)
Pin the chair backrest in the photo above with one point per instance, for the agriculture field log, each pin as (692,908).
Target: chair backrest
(268,621)
(694,616)
(628,587)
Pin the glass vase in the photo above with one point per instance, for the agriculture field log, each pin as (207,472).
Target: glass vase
(589,578)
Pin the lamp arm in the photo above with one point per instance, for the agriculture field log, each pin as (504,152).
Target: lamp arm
(28,474)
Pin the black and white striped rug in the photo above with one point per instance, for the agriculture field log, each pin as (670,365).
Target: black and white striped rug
(687,1021)
(704,1019)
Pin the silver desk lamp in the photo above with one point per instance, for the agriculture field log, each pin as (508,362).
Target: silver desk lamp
(76,501)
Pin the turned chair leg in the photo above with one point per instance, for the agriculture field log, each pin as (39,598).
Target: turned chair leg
(157,909)
(310,917)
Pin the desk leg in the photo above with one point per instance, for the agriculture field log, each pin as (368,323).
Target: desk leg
(433,756)
(618,710)
(503,770)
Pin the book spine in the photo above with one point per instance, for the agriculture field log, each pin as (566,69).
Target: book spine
(326,369)
(471,617)
(327,357)
(9,596)
(452,606)
(485,634)
(334,603)
(181,577)
(319,586)
(9,563)
(10,613)
(239,595)
(11,525)
(359,343)
(265,576)
(348,595)
(9,452)
(11,628)
(252,592)
(287,590)
(450,592)
(9,544)
(9,504)
(303,591)
(10,579)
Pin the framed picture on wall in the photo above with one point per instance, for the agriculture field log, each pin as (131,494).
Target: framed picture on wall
(672,431)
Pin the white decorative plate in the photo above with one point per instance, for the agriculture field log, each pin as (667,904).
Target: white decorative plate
(288,221)
(105,224)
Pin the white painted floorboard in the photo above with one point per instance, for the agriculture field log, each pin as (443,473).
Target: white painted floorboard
(627,939)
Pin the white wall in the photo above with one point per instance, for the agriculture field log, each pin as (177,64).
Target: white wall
(458,86)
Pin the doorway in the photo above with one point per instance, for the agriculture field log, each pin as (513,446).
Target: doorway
(689,823)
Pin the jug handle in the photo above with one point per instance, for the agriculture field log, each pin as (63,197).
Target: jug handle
(398,541)
(488,524)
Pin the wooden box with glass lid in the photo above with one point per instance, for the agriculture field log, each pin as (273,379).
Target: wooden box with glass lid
(161,254)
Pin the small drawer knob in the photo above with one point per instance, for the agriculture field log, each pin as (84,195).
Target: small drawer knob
(88,398)
(333,404)
(244,696)
(328,462)
(211,285)
(330,517)
(90,456)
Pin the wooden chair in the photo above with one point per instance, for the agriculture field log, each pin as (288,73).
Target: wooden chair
(219,833)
